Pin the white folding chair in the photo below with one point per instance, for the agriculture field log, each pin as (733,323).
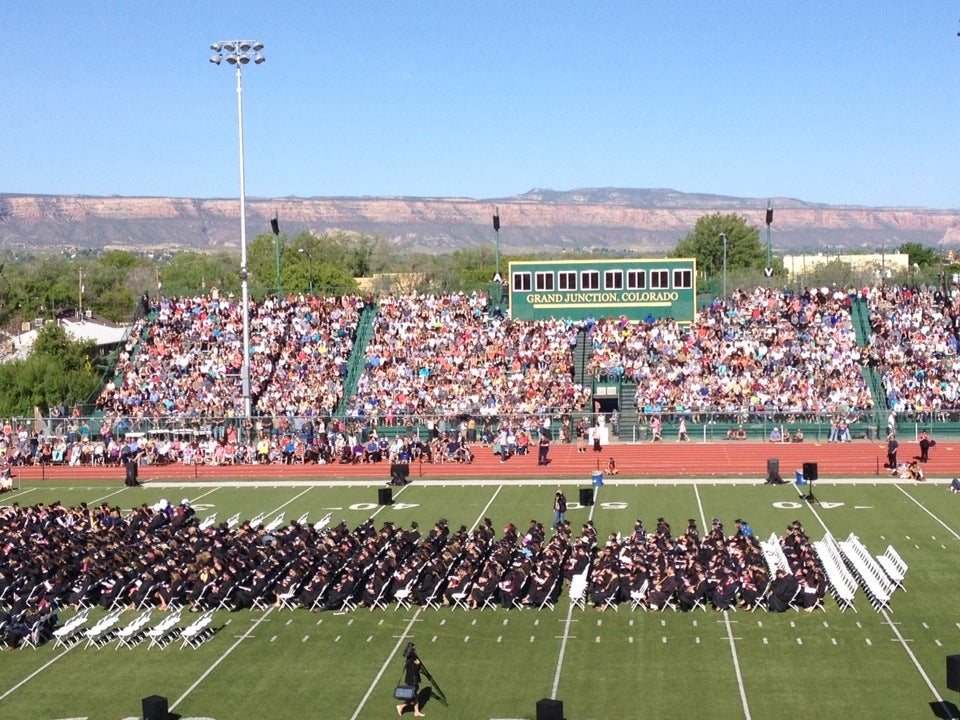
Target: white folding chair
(578,589)
(638,597)
(208,522)
(104,630)
(71,632)
(275,523)
(166,631)
(233,521)
(894,566)
(132,633)
(197,632)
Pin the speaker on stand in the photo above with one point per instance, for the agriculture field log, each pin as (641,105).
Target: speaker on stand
(385,496)
(548,709)
(810,474)
(953,672)
(773,471)
(155,707)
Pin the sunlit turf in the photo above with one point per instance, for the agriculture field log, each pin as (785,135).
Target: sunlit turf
(296,664)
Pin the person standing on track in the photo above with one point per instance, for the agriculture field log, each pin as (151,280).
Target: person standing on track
(892,446)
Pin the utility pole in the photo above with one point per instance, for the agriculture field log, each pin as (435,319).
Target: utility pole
(768,270)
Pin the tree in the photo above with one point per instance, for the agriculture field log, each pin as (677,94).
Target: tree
(705,243)
(192,272)
(58,370)
(919,255)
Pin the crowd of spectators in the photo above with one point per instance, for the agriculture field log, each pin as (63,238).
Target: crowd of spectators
(453,355)
(760,351)
(914,349)
(188,359)
(456,366)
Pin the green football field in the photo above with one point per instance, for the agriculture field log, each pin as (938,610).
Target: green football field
(498,664)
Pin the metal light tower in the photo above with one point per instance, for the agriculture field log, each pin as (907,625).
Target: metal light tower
(723,236)
(239,53)
(309,265)
(275,226)
(496,231)
(769,269)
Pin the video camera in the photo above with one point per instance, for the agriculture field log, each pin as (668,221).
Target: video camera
(409,651)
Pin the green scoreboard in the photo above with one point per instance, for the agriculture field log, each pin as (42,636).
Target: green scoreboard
(578,289)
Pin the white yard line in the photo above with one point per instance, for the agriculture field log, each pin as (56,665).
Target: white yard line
(945,706)
(406,632)
(923,507)
(726,621)
(222,657)
(566,623)
(36,672)
(736,665)
(293,499)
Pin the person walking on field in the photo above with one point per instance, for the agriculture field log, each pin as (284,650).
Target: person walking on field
(559,509)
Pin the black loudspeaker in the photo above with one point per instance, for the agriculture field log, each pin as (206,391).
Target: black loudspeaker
(586,496)
(385,496)
(155,708)
(810,472)
(399,473)
(953,672)
(773,467)
(548,709)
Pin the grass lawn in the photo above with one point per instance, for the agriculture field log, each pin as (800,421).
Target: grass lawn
(282,664)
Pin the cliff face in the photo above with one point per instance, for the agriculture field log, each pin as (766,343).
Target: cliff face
(641,221)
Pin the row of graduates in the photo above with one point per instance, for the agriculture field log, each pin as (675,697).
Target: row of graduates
(720,571)
(160,556)
(475,569)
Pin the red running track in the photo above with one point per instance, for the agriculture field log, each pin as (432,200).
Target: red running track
(668,459)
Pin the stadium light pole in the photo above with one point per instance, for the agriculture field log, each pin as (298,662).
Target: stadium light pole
(769,218)
(239,53)
(496,231)
(275,226)
(309,265)
(723,236)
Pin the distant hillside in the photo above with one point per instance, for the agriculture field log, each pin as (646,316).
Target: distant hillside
(641,221)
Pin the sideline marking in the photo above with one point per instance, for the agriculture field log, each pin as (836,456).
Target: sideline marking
(406,632)
(945,706)
(36,672)
(223,657)
(922,507)
(566,623)
(726,620)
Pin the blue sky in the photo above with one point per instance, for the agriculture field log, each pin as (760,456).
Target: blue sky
(840,102)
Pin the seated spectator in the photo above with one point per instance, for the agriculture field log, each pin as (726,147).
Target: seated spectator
(955,485)
(798,436)
(915,472)
(612,468)
(775,435)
